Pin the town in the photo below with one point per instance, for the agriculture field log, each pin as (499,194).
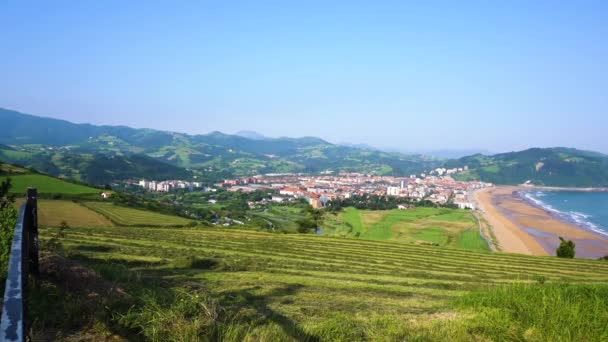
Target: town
(436,186)
(167,185)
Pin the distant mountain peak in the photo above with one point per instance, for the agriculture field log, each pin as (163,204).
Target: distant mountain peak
(251,135)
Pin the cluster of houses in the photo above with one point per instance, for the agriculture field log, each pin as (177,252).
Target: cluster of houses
(437,186)
(168,185)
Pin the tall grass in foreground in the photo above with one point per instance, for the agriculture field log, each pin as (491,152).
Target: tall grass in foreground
(539,312)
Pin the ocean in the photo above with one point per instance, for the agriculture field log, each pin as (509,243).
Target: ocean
(584,209)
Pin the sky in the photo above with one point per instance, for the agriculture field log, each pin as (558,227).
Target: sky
(406,75)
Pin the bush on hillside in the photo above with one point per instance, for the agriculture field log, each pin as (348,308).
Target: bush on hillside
(566,248)
(306,225)
(8,218)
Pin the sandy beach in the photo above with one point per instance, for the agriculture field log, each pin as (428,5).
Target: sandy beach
(523,228)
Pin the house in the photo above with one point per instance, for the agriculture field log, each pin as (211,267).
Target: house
(277,199)
(314,202)
(465,205)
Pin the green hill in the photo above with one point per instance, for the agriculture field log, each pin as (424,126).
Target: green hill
(47,185)
(542,166)
(97,169)
(241,285)
(104,154)
(46,143)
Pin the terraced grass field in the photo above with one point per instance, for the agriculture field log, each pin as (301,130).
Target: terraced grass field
(241,285)
(442,227)
(47,184)
(124,216)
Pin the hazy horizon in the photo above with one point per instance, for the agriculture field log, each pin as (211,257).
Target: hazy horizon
(408,77)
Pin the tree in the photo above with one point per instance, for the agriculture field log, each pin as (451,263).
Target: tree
(314,219)
(8,218)
(305,225)
(565,249)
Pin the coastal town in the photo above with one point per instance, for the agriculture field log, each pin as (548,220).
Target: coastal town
(436,186)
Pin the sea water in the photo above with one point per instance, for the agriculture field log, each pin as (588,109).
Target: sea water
(585,209)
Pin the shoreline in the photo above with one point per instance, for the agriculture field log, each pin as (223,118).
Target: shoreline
(556,188)
(527,228)
(510,238)
(558,215)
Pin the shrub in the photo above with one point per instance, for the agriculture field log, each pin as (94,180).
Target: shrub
(566,248)
(306,225)
(8,218)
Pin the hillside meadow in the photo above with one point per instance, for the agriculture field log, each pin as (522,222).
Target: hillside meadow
(125,216)
(55,212)
(243,285)
(47,185)
(378,276)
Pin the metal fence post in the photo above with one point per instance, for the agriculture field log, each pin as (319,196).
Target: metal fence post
(32,230)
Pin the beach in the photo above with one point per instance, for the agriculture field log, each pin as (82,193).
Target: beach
(521,227)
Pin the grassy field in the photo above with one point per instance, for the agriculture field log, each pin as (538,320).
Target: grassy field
(47,184)
(8,168)
(123,216)
(442,227)
(282,217)
(52,213)
(240,285)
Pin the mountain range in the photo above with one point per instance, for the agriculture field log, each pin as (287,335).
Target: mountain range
(67,149)
(105,154)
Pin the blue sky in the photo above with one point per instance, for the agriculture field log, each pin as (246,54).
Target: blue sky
(423,75)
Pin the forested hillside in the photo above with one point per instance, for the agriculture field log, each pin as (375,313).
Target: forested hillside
(566,167)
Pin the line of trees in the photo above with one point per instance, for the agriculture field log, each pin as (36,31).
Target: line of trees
(377,202)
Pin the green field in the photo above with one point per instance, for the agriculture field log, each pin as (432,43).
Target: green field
(8,168)
(54,212)
(239,285)
(123,216)
(442,227)
(49,185)
(281,217)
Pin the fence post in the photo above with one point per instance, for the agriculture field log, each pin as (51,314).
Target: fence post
(32,231)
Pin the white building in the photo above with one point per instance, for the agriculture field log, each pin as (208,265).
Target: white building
(465,205)
(393,191)
(278,199)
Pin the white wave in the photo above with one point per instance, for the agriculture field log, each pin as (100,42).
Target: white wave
(580,219)
(578,213)
(540,203)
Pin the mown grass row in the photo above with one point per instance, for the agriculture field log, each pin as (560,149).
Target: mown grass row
(370,251)
(414,269)
(225,284)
